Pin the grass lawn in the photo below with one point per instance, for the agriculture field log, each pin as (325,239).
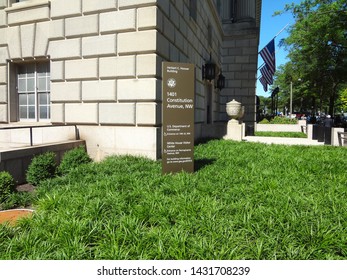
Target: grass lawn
(245,201)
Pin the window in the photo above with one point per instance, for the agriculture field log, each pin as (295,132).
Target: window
(33,88)
(219,7)
(11,2)
(193,9)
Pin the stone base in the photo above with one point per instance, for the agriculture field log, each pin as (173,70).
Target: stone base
(103,141)
(335,137)
(235,131)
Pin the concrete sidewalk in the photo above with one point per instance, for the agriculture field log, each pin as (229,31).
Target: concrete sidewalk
(283,140)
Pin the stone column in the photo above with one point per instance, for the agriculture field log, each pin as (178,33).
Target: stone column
(245,10)
(226,10)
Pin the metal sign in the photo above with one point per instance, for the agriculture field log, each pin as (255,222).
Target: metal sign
(178,117)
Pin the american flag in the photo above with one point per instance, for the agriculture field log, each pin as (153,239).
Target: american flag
(266,73)
(268,55)
(263,82)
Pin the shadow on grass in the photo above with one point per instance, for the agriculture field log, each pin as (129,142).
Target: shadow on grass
(204,140)
(202,163)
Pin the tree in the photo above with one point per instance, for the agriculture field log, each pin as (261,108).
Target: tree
(264,105)
(317,47)
(302,97)
(343,99)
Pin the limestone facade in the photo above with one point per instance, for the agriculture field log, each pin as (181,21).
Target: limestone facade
(97,64)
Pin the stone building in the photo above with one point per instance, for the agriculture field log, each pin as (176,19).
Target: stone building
(97,64)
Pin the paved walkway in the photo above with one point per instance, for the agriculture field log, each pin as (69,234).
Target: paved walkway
(283,140)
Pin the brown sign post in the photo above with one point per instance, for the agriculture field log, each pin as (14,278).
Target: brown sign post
(178,117)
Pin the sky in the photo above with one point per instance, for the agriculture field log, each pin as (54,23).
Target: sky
(269,27)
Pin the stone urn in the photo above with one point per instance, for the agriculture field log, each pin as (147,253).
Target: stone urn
(234,110)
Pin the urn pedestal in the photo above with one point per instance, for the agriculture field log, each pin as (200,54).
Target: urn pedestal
(235,129)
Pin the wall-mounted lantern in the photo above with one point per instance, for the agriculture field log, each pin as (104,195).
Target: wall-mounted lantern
(220,81)
(209,70)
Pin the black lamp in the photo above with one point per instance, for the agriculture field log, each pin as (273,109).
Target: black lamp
(209,70)
(220,81)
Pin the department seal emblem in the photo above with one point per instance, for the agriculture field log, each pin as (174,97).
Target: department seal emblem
(171,82)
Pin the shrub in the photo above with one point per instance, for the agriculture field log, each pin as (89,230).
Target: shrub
(279,120)
(264,121)
(73,159)
(283,120)
(42,167)
(7,185)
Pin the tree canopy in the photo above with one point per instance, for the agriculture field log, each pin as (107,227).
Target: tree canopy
(317,45)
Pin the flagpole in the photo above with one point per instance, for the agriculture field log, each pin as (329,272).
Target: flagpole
(267,57)
(279,33)
(274,38)
(281,30)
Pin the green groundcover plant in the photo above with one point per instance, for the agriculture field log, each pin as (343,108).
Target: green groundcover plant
(244,201)
(9,196)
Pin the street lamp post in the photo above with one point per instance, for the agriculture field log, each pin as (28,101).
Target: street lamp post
(291,99)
